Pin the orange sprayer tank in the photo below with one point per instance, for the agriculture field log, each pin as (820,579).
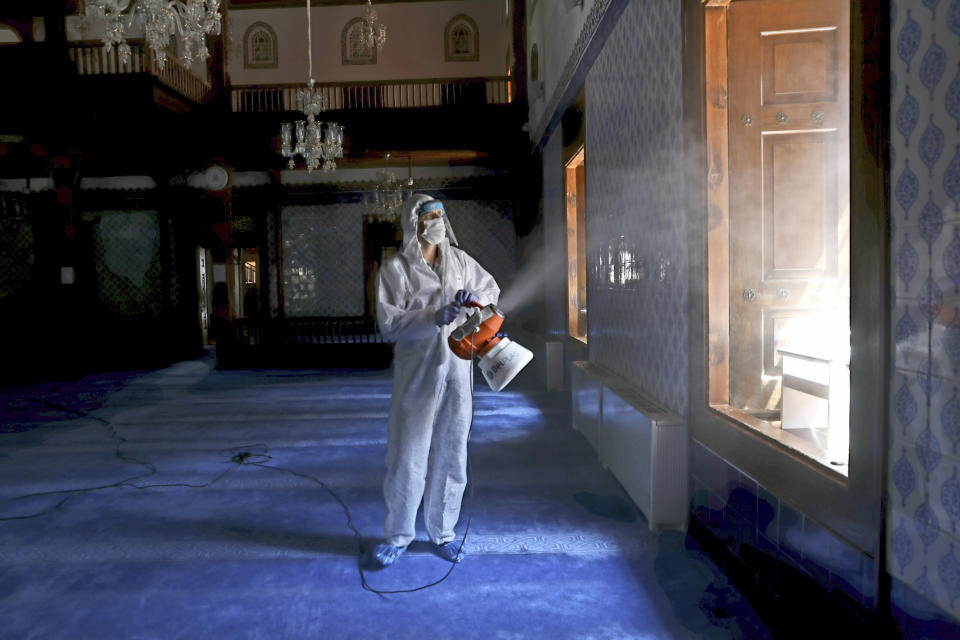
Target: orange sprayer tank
(478,333)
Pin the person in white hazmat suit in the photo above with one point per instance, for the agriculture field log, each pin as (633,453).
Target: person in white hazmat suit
(420,297)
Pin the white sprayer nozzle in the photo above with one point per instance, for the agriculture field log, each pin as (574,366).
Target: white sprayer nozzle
(503,362)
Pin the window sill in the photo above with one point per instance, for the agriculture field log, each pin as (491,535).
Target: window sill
(803,447)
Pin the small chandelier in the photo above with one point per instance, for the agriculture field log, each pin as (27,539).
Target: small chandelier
(315,141)
(390,193)
(372,33)
(193,20)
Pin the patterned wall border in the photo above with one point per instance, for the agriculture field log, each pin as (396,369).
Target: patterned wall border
(578,61)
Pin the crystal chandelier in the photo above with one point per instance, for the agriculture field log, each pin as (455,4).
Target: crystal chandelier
(192,20)
(315,141)
(372,33)
(390,193)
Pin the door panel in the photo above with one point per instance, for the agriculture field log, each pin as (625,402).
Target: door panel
(800,66)
(800,207)
(789,173)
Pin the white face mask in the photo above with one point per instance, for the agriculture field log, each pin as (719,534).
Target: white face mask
(434,231)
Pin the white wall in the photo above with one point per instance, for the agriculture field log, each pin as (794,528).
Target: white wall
(554,26)
(413,49)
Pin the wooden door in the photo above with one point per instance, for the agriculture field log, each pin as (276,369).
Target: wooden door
(788,123)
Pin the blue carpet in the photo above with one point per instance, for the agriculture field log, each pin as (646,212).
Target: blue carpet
(162,534)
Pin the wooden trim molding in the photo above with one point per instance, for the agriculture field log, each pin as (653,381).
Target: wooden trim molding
(718,206)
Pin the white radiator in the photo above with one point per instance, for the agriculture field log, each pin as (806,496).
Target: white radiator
(643,445)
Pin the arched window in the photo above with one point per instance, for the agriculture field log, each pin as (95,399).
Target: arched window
(352,48)
(461,40)
(260,47)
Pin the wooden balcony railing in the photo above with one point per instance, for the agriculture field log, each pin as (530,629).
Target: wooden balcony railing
(315,342)
(384,94)
(95,59)
(307,331)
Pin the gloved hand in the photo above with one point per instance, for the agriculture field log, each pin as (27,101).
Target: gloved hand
(446,314)
(463,297)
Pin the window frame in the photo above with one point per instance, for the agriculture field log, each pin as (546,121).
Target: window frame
(721,257)
(575,169)
(849,506)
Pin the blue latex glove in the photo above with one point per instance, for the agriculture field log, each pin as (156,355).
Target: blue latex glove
(463,297)
(446,314)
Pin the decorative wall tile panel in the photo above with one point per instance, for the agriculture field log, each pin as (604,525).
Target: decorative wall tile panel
(948,417)
(273,292)
(916,616)
(907,187)
(950,498)
(485,230)
(323,252)
(902,545)
(17,257)
(554,227)
(911,331)
(946,338)
(943,417)
(908,40)
(635,206)
(930,224)
(945,258)
(933,65)
(953,98)
(780,547)
(911,262)
(903,478)
(925,523)
(951,177)
(943,567)
(924,489)
(943,495)
(127,257)
(323,260)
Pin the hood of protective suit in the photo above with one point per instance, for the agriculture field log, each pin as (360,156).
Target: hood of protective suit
(408,222)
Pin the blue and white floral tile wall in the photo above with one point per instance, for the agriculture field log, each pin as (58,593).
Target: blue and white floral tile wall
(323,251)
(127,261)
(636,224)
(485,230)
(554,228)
(923,524)
(323,260)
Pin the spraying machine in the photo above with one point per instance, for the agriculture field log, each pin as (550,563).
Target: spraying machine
(500,359)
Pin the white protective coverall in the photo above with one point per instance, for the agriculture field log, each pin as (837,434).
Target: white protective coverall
(432,402)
